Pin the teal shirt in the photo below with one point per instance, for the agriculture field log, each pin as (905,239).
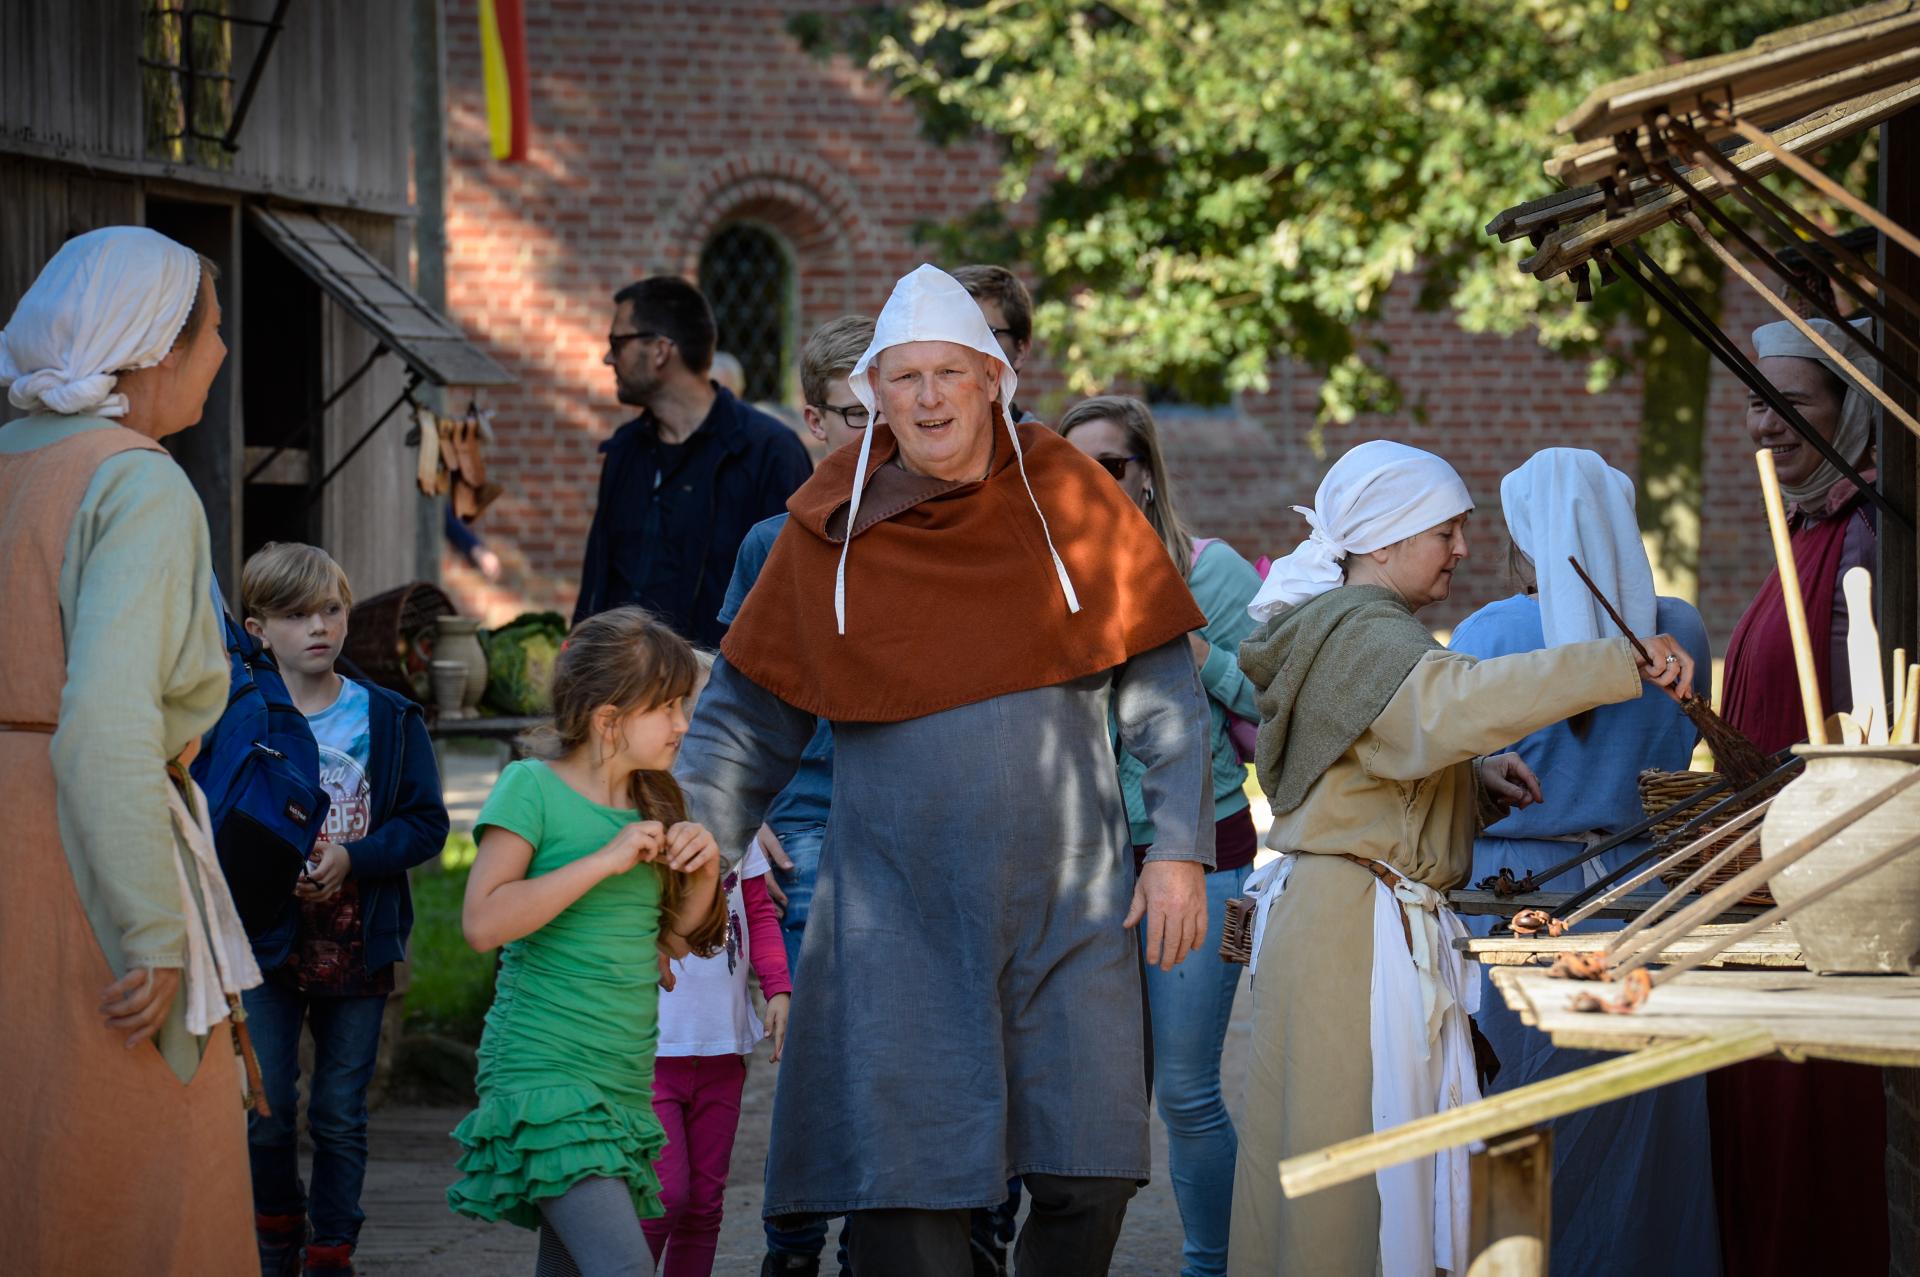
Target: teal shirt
(1223,584)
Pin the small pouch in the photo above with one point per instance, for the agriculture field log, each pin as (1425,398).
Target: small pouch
(1236,932)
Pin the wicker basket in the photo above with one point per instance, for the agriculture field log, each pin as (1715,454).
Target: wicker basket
(390,637)
(1660,790)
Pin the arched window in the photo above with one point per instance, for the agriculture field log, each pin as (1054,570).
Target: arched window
(748,279)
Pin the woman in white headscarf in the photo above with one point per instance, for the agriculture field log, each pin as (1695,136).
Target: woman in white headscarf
(1632,1185)
(1372,751)
(120,1094)
(1773,1120)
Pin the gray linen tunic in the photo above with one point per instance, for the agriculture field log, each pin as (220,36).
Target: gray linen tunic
(968,1005)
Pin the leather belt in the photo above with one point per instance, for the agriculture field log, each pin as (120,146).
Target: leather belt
(45,729)
(1388,879)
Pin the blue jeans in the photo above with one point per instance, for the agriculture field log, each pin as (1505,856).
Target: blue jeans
(346,1038)
(1190,1007)
(802,846)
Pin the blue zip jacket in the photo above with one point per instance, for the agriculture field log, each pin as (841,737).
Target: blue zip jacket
(409,828)
(670,518)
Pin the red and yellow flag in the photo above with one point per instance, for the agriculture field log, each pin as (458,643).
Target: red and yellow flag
(503,56)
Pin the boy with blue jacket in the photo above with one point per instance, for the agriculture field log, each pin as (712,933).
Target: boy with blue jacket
(329,958)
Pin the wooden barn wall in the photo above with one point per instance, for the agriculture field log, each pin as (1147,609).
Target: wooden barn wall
(369,510)
(329,122)
(42,206)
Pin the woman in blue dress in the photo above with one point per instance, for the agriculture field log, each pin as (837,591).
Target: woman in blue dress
(1632,1181)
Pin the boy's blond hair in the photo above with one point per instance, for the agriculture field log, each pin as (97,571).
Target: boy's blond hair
(287,578)
(832,351)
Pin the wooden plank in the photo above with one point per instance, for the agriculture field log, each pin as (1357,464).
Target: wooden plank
(1475,901)
(1600,157)
(1775,947)
(1519,1108)
(1860,1019)
(1793,54)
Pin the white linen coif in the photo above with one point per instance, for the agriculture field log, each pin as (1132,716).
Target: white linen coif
(1379,493)
(1855,427)
(110,301)
(930,305)
(1567,501)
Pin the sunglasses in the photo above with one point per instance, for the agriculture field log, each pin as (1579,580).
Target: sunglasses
(1116,466)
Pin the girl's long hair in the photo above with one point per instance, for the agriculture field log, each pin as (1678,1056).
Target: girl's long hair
(630,660)
(1143,440)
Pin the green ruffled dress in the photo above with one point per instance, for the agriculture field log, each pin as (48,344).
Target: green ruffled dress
(566,1062)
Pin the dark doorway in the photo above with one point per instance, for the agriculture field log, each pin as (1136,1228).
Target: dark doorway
(281,332)
(207,452)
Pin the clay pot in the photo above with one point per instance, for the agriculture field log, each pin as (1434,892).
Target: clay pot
(450,689)
(1871,926)
(456,638)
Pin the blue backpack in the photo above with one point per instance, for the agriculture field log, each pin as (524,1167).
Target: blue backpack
(260,770)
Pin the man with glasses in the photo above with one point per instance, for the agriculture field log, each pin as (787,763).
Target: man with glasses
(682,483)
(796,823)
(1004,300)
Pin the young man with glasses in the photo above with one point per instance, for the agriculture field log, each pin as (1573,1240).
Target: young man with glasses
(1004,300)
(796,825)
(682,483)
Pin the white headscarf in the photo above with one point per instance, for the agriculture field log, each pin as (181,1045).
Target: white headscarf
(1379,493)
(1855,429)
(931,305)
(1568,501)
(110,301)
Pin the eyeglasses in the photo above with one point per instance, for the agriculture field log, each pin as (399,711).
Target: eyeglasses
(855,415)
(617,340)
(1116,466)
(1002,332)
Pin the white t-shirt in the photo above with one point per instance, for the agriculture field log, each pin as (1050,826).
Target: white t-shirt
(710,1011)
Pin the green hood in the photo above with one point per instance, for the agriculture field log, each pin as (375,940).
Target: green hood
(1325,670)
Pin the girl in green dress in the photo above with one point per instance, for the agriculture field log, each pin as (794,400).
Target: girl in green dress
(565,1135)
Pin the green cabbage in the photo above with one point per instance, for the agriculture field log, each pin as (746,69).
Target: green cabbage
(520,659)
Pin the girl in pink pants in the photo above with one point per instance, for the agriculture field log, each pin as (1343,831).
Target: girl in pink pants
(707,1030)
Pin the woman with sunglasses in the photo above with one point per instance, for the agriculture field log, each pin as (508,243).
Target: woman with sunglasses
(1191,1004)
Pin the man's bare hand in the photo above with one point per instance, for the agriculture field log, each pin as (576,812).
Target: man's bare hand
(138,1004)
(1172,896)
(778,858)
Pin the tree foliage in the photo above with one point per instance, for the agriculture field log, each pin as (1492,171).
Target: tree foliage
(1203,185)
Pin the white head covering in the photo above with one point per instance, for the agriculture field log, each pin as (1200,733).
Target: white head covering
(931,305)
(1855,429)
(1379,493)
(110,301)
(1568,501)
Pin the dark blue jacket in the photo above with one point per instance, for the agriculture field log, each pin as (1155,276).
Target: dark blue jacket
(409,828)
(671,517)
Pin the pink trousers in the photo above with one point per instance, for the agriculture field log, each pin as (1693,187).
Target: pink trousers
(697,1098)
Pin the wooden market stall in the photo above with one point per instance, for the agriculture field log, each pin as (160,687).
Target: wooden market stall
(1703,981)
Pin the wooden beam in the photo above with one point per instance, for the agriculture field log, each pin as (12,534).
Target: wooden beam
(1538,1102)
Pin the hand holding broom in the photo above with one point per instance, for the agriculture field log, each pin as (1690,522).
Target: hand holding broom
(1737,757)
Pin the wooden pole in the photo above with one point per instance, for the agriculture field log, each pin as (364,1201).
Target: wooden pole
(1790,594)
(1520,1108)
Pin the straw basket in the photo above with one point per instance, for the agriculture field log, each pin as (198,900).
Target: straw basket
(390,637)
(1660,790)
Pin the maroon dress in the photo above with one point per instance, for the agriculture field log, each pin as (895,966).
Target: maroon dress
(1799,1150)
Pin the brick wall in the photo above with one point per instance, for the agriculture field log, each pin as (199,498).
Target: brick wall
(650,132)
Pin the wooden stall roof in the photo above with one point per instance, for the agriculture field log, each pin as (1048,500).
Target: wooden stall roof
(429,343)
(1572,245)
(1861,1019)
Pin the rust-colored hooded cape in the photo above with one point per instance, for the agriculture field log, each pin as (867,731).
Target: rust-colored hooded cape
(951,595)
